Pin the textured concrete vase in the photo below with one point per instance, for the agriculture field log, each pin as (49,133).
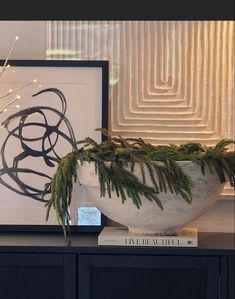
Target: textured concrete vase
(150,219)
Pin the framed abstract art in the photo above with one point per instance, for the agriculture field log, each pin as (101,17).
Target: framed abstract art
(46,107)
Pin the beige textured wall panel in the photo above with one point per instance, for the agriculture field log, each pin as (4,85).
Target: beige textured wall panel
(171,81)
(178,86)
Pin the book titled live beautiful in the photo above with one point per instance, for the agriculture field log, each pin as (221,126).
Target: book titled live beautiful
(120,236)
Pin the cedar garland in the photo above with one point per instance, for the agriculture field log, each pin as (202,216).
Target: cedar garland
(127,152)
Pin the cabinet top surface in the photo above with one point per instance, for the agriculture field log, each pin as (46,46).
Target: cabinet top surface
(208,243)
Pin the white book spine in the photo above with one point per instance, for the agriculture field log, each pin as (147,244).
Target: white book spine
(148,241)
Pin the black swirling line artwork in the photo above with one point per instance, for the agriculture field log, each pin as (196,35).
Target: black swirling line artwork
(48,145)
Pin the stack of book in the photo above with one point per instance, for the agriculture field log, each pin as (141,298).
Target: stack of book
(120,236)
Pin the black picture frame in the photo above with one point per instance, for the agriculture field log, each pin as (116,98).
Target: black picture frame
(104,67)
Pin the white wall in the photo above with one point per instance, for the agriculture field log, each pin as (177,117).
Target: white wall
(32,39)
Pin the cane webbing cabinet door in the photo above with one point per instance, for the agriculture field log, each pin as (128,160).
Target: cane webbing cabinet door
(37,276)
(152,277)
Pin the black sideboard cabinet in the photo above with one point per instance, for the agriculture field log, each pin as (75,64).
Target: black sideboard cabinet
(43,266)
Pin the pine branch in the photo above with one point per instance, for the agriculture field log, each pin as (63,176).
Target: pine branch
(115,161)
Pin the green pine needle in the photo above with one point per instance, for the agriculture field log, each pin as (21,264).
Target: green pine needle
(115,161)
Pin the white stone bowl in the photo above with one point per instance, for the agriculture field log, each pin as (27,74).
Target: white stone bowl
(150,219)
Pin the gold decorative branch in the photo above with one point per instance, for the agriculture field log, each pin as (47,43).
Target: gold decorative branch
(11,91)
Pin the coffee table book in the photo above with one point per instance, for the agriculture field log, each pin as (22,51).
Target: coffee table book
(120,236)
